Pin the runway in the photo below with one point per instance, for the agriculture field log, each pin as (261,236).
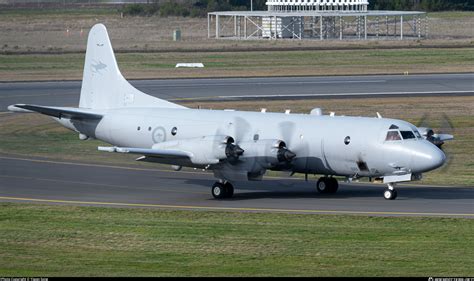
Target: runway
(67,93)
(57,182)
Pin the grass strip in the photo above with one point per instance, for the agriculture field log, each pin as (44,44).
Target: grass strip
(40,240)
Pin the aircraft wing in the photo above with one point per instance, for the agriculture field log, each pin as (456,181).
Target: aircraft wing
(58,112)
(149,152)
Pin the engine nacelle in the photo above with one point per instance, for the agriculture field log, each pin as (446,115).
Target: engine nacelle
(205,150)
(266,154)
(437,139)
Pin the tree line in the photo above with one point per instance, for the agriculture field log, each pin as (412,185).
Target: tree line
(200,8)
(422,5)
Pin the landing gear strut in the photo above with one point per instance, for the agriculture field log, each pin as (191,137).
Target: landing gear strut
(327,185)
(390,193)
(222,189)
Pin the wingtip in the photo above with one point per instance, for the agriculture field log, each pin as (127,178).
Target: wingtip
(17,108)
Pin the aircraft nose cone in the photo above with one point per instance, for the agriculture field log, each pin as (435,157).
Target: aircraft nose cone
(429,159)
(438,158)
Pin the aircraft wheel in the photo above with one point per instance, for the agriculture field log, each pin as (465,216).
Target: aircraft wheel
(323,185)
(327,185)
(390,194)
(218,190)
(229,190)
(334,185)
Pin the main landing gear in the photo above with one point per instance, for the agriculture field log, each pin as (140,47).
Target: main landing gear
(327,185)
(222,189)
(390,193)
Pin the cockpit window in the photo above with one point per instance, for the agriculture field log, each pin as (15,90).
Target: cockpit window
(393,127)
(407,135)
(393,135)
(417,134)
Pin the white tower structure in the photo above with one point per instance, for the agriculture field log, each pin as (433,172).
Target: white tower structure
(318,5)
(318,19)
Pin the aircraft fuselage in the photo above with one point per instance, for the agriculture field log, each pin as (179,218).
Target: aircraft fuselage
(331,145)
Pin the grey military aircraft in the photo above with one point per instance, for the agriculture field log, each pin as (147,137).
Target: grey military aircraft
(238,145)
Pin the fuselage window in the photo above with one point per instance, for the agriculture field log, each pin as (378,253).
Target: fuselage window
(392,136)
(407,135)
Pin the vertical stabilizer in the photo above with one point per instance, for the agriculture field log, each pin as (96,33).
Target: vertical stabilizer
(103,86)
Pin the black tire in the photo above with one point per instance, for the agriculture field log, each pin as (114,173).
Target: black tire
(333,185)
(229,190)
(218,190)
(323,185)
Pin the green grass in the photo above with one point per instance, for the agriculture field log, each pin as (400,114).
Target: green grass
(38,240)
(39,63)
(451,15)
(253,63)
(58,12)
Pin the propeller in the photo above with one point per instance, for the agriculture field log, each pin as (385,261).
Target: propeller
(439,137)
(238,130)
(294,143)
(284,154)
(241,131)
(241,128)
(288,134)
(233,151)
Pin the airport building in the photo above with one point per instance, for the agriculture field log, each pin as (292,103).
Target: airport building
(317,19)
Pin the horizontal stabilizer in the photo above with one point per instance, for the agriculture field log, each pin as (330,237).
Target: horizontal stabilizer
(58,112)
(159,153)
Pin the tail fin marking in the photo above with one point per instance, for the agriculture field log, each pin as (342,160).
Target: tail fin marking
(103,86)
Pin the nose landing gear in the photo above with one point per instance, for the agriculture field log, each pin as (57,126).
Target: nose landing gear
(390,193)
(222,189)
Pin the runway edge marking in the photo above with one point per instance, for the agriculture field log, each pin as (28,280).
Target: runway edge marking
(230,208)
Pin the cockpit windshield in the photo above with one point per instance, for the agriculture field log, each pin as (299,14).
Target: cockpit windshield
(417,134)
(393,135)
(407,135)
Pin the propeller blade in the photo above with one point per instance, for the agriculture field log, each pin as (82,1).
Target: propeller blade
(287,130)
(422,122)
(241,129)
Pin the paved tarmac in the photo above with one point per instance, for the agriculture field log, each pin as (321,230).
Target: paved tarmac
(56,182)
(67,93)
